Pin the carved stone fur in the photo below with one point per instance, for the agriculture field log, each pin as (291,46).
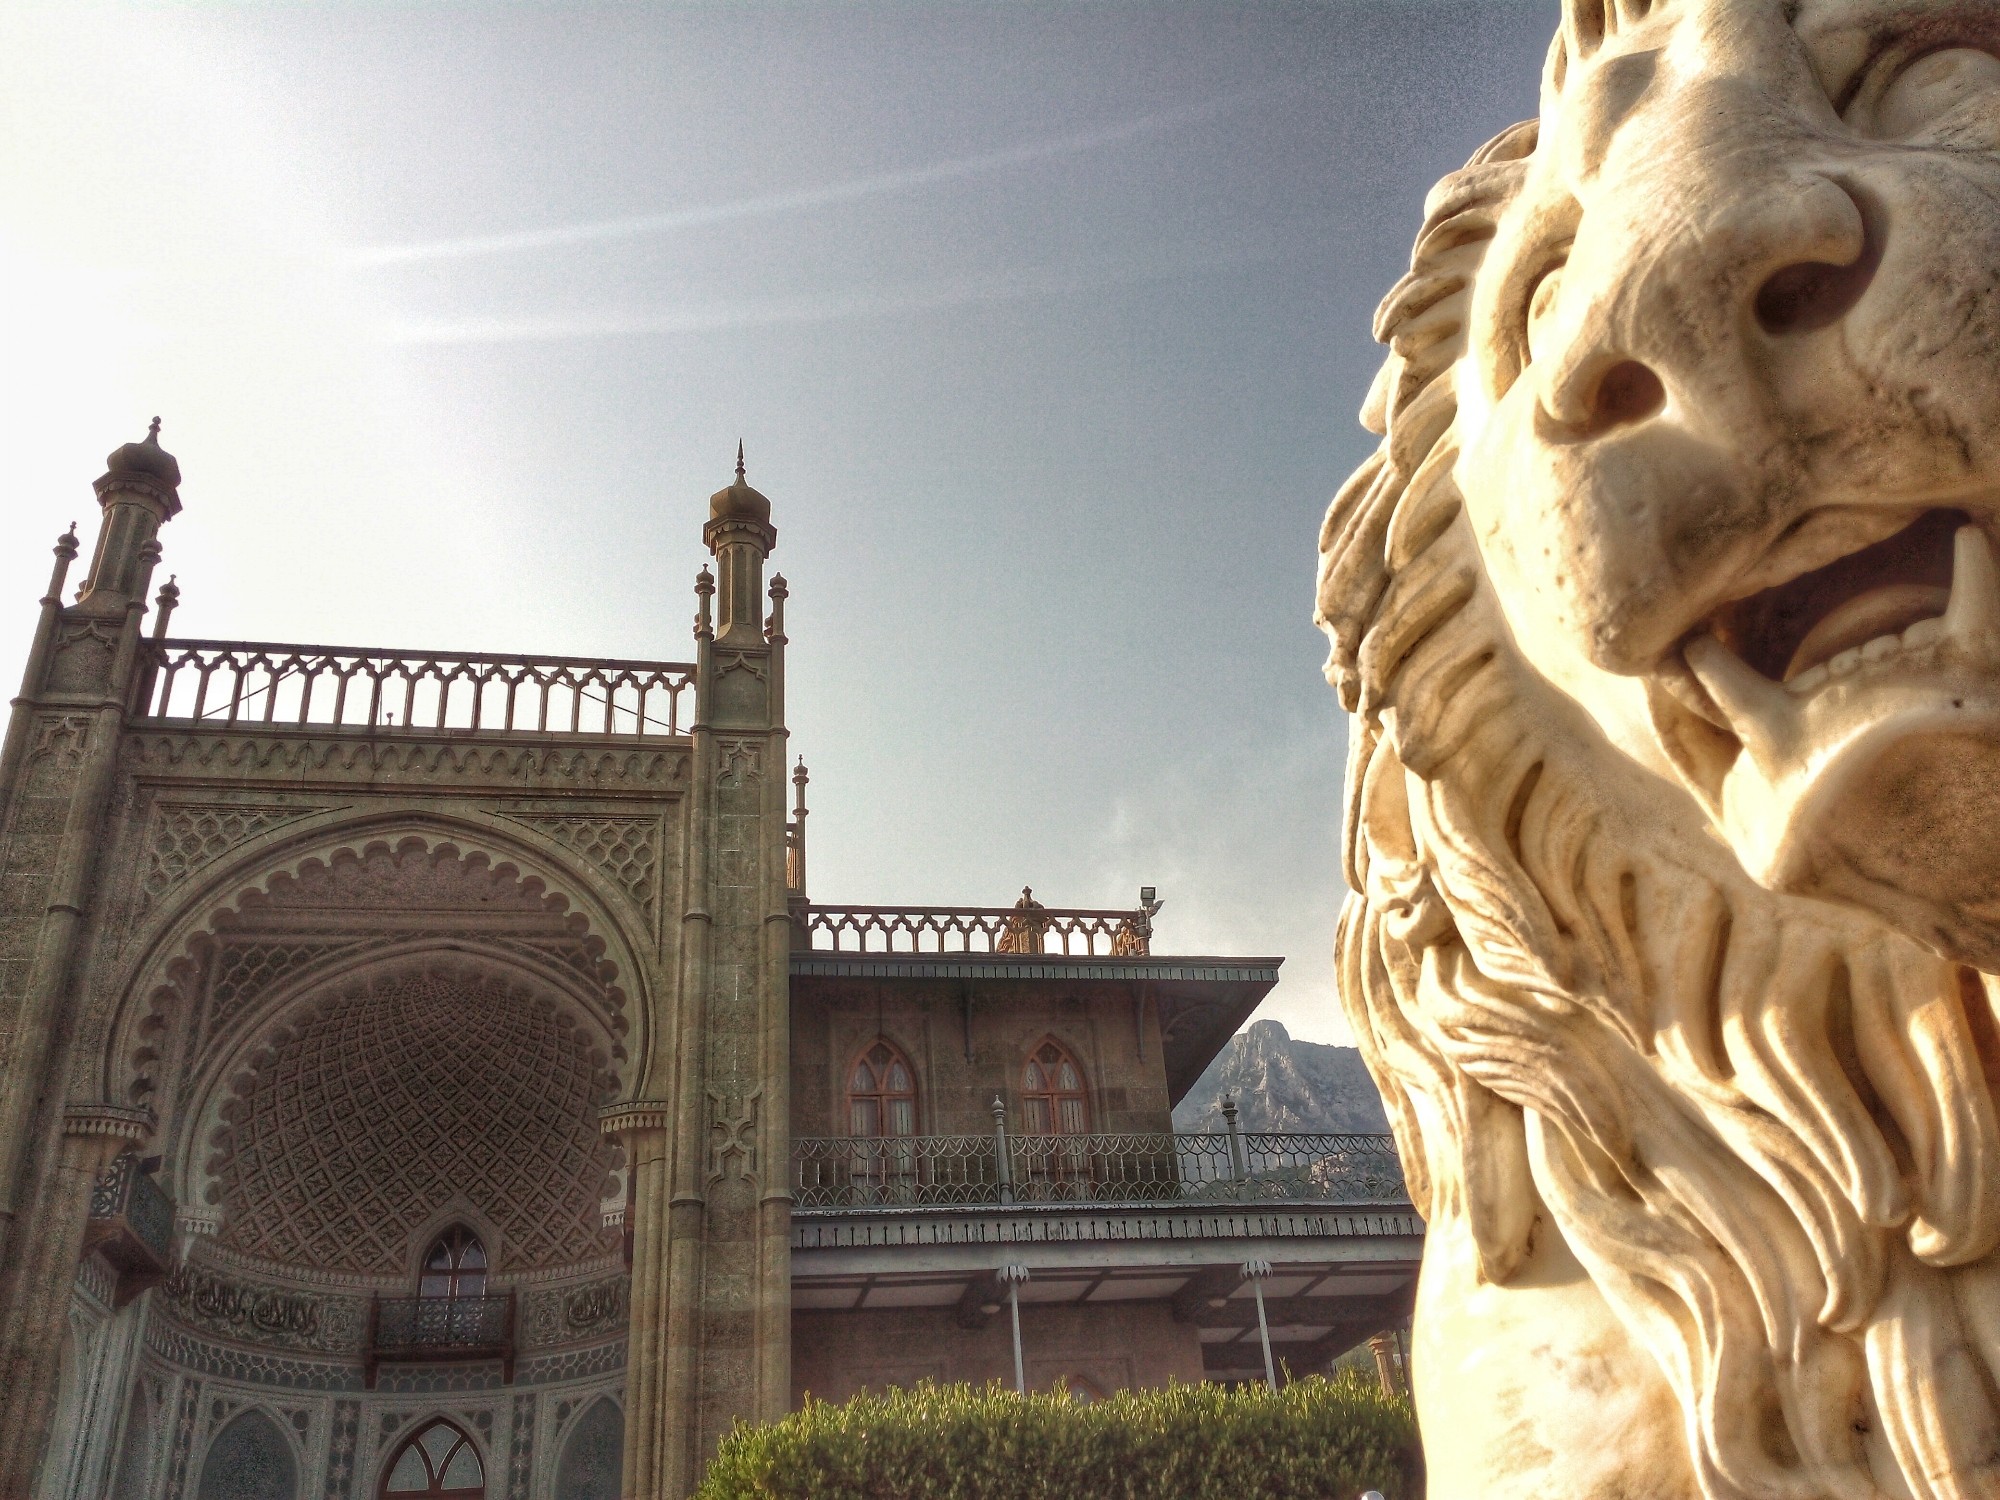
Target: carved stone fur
(1760,1118)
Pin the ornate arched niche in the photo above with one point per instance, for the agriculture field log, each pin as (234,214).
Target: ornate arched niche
(413,1091)
(303,916)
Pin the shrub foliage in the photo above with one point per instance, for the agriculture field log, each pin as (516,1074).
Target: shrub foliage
(1315,1439)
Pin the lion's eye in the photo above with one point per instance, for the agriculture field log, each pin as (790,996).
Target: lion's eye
(1541,311)
(1934,86)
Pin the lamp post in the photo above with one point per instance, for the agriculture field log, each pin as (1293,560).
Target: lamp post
(1254,1272)
(1014,1275)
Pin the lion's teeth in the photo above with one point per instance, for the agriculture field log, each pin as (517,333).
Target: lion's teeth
(1845,662)
(1973,615)
(1759,710)
(1924,633)
(1881,646)
(1806,681)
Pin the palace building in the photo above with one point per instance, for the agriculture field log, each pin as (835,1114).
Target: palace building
(425,1074)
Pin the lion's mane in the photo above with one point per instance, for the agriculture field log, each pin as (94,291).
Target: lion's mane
(1765,1124)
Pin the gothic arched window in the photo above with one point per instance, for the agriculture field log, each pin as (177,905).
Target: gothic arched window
(438,1462)
(1053,1101)
(881,1093)
(455,1265)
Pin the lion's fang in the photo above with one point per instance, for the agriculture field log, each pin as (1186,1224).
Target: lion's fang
(1973,616)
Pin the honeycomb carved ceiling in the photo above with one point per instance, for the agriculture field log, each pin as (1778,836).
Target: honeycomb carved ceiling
(330,911)
(381,1103)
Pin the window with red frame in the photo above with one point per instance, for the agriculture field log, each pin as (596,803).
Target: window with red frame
(1053,1101)
(881,1094)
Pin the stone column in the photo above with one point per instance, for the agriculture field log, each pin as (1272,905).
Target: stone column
(1383,1347)
(60,761)
(40,1280)
(709,1133)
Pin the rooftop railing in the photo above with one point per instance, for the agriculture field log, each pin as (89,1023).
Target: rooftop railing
(1031,928)
(1157,1170)
(346,687)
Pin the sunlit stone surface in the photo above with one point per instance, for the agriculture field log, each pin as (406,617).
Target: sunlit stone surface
(1670,617)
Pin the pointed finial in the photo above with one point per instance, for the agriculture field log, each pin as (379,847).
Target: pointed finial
(153,433)
(168,597)
(72,531)
(739,460)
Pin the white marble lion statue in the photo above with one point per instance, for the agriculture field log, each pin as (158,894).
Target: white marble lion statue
(1668,614)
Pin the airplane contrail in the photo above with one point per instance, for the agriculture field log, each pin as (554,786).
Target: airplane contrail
(823,308)
(638,226)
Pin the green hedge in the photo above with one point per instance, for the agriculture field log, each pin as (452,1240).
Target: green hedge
(1316,1439)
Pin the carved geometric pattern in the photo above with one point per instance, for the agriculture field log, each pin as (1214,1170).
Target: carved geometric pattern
(386,1101)
(62,737)
(183,1439)
(732,1134)
(565,952)
(189,835)
(521,1449)
(406,880)
(340,1454)
(739,762)
(249,755)
(186,1351)
(247,970)
(623,848)
(192,1354)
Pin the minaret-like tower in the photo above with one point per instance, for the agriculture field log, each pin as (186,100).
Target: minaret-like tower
(58,765)
(708,1134)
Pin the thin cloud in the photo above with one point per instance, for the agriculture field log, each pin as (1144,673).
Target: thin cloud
(641,226)
(777,311)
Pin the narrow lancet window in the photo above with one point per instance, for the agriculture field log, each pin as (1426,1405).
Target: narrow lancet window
(881,1094)
(1053,1101)
(455,1265)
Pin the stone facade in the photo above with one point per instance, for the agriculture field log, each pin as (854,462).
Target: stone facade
(431,1065)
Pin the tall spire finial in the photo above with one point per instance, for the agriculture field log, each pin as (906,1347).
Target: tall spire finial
(739,460)
(153,432)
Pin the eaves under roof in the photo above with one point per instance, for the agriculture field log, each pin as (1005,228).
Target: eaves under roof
(1201,1002)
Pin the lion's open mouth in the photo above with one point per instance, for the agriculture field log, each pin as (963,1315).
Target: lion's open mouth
(1815,619)
(1891,632)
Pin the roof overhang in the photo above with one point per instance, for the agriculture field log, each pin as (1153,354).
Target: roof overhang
(1201,1002)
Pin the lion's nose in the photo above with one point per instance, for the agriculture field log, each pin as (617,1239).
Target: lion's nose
(1594,398)
(1627,392)
(1814,294)
(1768,268)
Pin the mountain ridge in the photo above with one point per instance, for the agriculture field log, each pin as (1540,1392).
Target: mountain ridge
(1283,1084)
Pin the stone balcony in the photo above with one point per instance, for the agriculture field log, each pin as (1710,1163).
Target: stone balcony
(1218,1169)
(132,1225)
(440,1330)
(928,1221)
(942,1194)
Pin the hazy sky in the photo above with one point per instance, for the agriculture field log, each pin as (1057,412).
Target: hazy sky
(1044,326)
